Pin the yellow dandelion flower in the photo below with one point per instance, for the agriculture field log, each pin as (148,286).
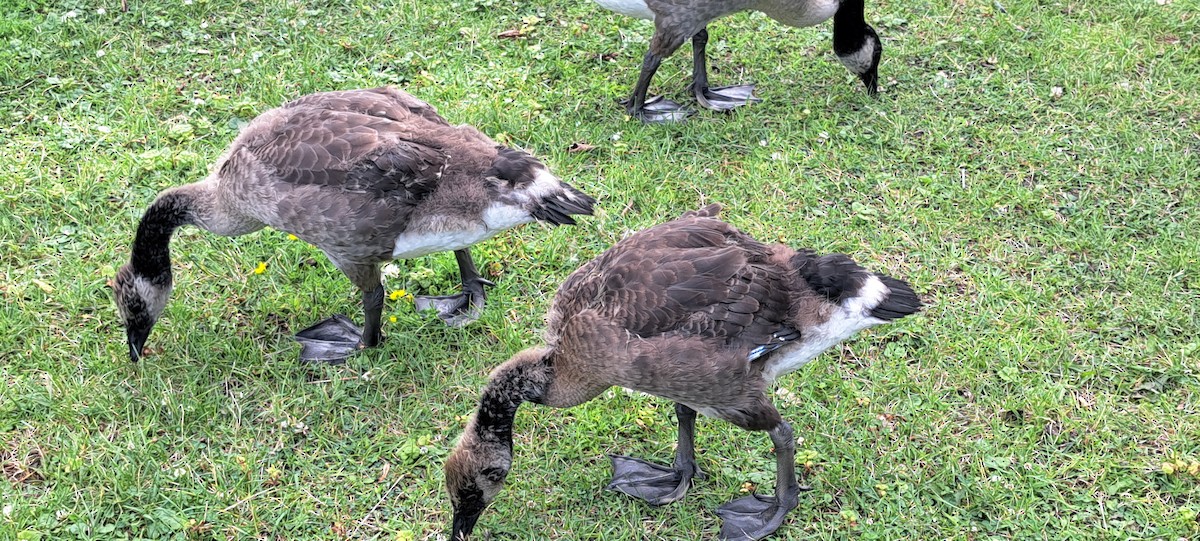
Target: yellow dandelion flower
(392,319)
(397,294)
(293,237)
(261,268)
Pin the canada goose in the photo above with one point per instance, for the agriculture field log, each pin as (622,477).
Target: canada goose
(854,41)
(366,176)
(694,311)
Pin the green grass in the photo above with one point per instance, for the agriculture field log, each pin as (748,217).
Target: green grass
(1032,171)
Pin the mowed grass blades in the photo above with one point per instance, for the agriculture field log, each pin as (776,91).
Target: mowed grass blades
(1031,167)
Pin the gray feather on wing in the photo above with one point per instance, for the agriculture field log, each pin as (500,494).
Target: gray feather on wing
(694,276)
(348,151)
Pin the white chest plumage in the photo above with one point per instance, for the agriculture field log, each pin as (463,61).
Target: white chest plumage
(861,60)
(631,8)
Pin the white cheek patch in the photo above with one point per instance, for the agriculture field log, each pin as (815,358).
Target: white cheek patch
(860,61)
(155,297)
(631,8)
(853,315)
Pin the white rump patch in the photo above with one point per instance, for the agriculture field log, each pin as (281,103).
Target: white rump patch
(509,210)
(419,244)
(499,217)
(632,8)
(853,315)
(544,185)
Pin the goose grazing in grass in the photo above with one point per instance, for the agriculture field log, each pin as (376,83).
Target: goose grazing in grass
(675,21)
(366,176)
(693,311)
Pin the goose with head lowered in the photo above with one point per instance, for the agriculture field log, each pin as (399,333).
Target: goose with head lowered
(694,311)
(367,176)
(675,21)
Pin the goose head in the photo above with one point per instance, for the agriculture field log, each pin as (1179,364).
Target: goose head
(473,480)
(862,59)
(140,300)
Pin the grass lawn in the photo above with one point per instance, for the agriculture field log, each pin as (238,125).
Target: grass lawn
(1030,167)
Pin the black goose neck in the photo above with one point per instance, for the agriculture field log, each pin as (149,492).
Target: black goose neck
(851,14)
(850,27)
(151,255)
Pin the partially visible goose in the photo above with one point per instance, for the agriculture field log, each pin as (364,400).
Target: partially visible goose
(696,312)
(365,175)
(675,21)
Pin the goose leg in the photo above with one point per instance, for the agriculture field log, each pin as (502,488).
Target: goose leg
(373,317)
(755,517)
(724,98)
(463,308)
(656,110)
(656,484)
(337,338)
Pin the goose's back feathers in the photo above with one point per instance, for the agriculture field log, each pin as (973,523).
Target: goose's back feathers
(385,102)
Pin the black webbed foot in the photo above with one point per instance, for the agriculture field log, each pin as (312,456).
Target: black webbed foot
(726,98)
(330,341)
(659,110)
(753,517)
(461,309)
(657,484)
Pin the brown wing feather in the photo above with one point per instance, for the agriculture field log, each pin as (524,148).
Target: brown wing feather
(385,102)
(694,276)
(346,150)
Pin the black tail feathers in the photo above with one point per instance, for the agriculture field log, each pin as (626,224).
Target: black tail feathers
(558,208)
(901,300)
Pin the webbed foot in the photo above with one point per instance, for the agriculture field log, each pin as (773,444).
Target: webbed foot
(457,310)
(330,341)
(659,110)
(726,98)
(657,484)
(754,517)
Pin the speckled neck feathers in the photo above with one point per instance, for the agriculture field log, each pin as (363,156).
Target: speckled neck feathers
(151,254)
(522,379)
